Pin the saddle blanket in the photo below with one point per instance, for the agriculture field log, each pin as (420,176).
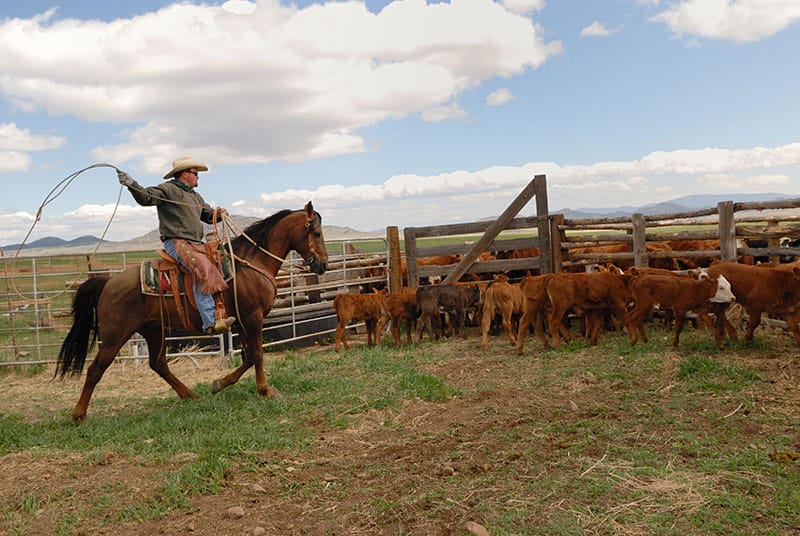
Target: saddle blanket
(156,282)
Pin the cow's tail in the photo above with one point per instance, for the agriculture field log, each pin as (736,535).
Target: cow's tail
(488,306)
(83,333)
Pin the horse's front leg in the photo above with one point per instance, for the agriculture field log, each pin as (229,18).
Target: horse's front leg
(252,355)
(158,362)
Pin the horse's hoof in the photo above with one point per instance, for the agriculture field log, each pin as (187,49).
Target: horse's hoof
(216,387)
(268,392)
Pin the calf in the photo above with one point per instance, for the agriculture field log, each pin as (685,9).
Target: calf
(772,290)
(591,292)
(400,308)
(534,289)
(681,295)
(503,298)
(348,307)
(453,299)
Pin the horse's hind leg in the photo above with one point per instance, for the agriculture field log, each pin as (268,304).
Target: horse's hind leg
(158,362)
(105,356)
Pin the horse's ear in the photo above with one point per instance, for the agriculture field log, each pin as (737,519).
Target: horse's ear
(309,209)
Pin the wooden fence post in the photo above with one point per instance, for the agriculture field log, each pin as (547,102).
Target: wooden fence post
(640,259)
(394,265)
(544,231)
(556,236)
(727,231)
(411,256)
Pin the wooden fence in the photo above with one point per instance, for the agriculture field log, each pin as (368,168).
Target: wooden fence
(536,229)
(744,231)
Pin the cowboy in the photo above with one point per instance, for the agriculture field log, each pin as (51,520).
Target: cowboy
(181,213)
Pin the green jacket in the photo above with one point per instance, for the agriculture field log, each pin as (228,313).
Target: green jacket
(181,210)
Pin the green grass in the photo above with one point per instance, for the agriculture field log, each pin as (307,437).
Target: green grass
(656,442)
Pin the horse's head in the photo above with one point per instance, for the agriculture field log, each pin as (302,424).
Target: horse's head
(315,253)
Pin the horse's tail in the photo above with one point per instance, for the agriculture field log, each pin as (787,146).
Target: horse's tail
(83,333)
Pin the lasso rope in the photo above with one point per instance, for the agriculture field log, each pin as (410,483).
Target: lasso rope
(57,190)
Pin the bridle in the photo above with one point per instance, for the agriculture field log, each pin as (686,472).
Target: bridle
(310,225)
(311,260)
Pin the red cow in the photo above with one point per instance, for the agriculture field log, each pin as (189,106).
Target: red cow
(534,289)
(348,307)
(762,290)
(506,299)
(681,295)
(591,292)
(400,308)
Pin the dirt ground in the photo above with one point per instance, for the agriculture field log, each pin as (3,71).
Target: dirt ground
(341,484)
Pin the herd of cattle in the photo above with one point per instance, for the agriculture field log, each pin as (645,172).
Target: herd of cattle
(603,300)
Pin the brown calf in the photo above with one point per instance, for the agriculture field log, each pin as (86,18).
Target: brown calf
(680,294)
(503,298)
(762,290)
(534,289)
(348,307)
(399,308)
(590,292)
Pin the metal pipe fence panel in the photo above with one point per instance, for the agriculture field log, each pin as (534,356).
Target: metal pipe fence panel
(36,298)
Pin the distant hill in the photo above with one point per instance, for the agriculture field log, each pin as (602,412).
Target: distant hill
(682,204)
(55,242)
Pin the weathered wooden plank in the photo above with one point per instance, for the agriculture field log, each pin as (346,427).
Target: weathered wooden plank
(500,265)
(762,205)
(494,229)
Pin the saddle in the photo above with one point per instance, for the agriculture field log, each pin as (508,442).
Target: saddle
(166,277)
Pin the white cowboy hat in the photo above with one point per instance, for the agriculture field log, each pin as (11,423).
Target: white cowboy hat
(183,163)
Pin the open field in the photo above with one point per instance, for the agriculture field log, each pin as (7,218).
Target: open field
(422,440)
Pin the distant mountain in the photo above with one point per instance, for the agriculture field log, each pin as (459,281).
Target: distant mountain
(686,203)
(55,242)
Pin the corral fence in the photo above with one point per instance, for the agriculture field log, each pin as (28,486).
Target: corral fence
(742,231)
(36,292)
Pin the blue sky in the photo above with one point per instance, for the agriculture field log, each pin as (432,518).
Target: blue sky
(392,113)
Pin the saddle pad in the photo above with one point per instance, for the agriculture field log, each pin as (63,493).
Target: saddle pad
(155,282)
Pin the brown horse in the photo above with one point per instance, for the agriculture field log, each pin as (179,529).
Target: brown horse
(115,308)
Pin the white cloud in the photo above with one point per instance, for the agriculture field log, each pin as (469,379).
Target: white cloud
(251,69)
(16,143)
(444,113)
(598,29)
(740,21)
(239,7)
(523,7)
(499,97)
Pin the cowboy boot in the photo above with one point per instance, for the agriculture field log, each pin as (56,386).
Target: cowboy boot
(223,321)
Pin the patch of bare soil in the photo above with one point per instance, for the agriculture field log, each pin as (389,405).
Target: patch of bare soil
(427,468)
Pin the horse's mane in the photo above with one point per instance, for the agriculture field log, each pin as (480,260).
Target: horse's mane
(258,232)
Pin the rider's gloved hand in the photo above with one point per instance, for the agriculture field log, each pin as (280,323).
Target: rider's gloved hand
(124,178)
